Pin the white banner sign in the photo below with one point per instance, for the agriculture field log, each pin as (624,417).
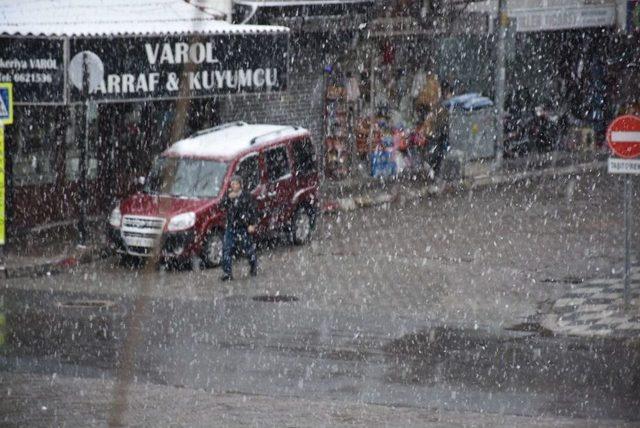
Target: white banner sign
(624,166)
(562,18)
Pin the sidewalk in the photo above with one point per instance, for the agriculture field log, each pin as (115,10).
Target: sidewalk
(359,192)
(596,308)
(46,252)
(54,250)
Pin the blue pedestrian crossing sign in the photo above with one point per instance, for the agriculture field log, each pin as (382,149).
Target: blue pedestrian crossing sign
(6,103)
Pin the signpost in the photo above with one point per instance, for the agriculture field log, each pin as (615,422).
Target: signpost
(633,16)
(623,137)
(6,118)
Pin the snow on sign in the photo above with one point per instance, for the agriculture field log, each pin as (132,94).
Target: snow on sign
(6,103)
(623,136)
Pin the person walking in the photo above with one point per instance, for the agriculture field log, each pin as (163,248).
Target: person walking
(241,225)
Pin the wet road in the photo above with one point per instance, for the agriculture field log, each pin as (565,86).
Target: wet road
(252,347)
(362,312)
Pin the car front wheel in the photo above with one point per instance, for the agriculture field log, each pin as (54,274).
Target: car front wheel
(212,250)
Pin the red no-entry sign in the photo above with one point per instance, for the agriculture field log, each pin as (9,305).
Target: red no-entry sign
(623,136)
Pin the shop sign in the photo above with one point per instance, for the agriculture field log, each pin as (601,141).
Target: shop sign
(633,16)
(128,68)
(6,118)
(6,103)
(564,17)
(35,66)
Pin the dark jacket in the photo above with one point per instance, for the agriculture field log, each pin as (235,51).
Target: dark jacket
(241,211)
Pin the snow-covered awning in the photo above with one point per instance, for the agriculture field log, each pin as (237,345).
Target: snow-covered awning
(299,2)
(283,11)
(89,18)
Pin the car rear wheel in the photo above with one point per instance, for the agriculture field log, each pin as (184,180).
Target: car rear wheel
(212,250)
(301,226)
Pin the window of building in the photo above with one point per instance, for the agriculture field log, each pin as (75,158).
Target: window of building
(36,138)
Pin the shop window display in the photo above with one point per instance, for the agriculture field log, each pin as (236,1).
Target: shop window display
(408,118)
(337,156)
(36,145)
(384,120)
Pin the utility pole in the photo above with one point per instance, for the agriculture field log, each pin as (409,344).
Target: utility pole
(500,80)
(82,161)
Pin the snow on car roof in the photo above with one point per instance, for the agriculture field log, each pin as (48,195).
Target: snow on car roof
(228,140)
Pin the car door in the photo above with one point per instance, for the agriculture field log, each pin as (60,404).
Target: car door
(249,169)
(279,185)
(304,164)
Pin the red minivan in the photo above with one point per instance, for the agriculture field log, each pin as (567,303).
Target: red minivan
(178,206)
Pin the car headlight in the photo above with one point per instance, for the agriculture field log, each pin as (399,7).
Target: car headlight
(115,219)
(182,222)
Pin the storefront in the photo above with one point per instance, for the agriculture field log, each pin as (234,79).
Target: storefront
(560,58)
(99,89)
(322,32)
(383,97)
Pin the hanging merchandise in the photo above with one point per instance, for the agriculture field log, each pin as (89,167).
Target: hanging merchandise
(363,126)
(352,89)
(430,93)
(388,53)
(383,163)
(419,82)
(400,149)
(336,132)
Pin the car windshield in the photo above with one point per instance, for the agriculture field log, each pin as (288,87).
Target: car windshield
(189,178)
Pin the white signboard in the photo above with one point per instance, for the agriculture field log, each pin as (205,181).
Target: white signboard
(564,17)
(624,166)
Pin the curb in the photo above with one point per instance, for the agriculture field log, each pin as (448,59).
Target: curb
(364,201)
(56,266)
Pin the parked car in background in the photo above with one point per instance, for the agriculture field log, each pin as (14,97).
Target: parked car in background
(178,206)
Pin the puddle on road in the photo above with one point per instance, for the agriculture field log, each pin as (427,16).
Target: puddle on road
(275,298)
(86,304)
(514,361)
(565,280)
(531,327)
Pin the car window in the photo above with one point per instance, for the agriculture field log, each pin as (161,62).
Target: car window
(277,163)
(188,178)
(304,156)
(249,170)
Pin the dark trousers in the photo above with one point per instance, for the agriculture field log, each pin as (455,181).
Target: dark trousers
(234,239)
